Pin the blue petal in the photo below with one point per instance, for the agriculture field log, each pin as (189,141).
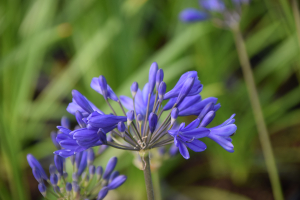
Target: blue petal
(152,77)
(83,163)
(34,163)
(82,101)
(63,130)
(64,153)
(105,121)
(84,134)
(192,15)
(197,133)
(60,137)
(194,124)
(183,150)
(223,142)
(224,131)
(117,182)
(69,144)
(196,145)
(196,108)
(110,92)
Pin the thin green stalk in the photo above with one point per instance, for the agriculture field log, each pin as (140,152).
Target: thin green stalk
(148,179)
(258,115)
(295,7)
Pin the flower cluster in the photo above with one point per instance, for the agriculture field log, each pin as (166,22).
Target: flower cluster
(149,122)
(224,15)
(87,180)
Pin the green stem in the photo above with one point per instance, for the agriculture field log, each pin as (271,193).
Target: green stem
(295,7)
(258,115)
(148,179)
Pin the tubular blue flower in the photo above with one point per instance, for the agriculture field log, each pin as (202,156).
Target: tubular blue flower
(141,100)
(152,77)
(134,88)
(110,93)
(110,167)
(159,77)
(187,137)
(196,88)
(192,105)
(152,121)
(59,163)
(106,122)
(121,127)
(65,122)
(161,91)
(103,86)
(130,116)
(213,5)
(34,163)
(193,15)
(79,119)
(221,134)
(42,189)
(207,118)
(186,88)
(102,194)
(83,163)
(116,182)
(113,175)
(83,101)
(205,110)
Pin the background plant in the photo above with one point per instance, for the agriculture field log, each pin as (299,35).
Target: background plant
(50,47)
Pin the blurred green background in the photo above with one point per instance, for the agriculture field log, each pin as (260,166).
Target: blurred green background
(49,47)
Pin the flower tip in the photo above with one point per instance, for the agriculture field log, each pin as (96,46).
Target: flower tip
(192,15)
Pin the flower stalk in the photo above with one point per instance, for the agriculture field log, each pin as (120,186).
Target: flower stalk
(147,176)
(258,114)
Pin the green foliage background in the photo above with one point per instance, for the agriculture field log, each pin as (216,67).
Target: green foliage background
(49,47)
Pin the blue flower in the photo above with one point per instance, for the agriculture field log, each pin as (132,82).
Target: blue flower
(196,87)
(35,164)
(109,93)
(193,15)
(221,134)
(187,137)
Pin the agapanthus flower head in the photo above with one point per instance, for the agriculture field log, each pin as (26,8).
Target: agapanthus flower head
(80,180)
(146,126)
(221,14)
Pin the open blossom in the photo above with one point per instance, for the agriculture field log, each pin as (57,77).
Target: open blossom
(145,128)
(83,169)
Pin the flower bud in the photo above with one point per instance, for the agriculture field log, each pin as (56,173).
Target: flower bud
(92,170)
(159,77)
(68,187)
(79,118)
(103,86)
(59,163)
(53,179)
(65,122)
(174,115)
(113,176)
(152,77)
(134,88)
(110,167)
(42,189)
(37,174)
(161,91)
(130,117)
(207,118)
(205,110)
(90,156)
(152,122)
(121,128)
(140,118)
(102,194)
(117,182)
(186,88)
(102,136)
(99,172)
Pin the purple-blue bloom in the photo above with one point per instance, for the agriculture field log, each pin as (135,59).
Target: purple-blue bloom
(187,137)
(95,84)
(213,5)
(34,163)
(193,15)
